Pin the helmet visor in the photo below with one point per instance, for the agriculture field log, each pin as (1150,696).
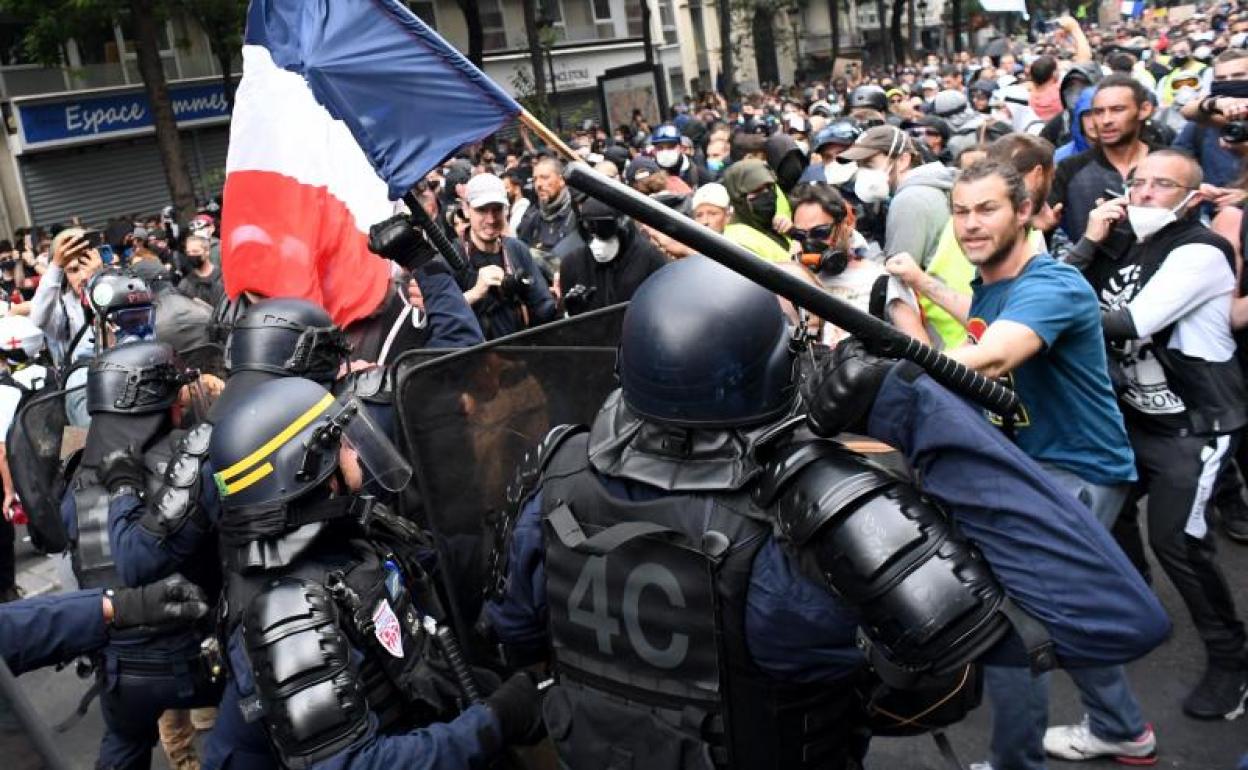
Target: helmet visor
(378,456)
(133,323)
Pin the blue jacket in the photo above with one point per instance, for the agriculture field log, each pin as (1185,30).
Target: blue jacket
(452,323)
(45,630)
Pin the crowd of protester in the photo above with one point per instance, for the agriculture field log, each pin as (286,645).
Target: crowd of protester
(1066,213)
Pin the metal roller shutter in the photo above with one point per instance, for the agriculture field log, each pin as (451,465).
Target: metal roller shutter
(120,178)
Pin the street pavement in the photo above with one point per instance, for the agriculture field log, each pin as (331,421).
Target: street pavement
(1161,681)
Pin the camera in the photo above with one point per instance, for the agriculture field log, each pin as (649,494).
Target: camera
(576,299)
(1235,132)
(513,284)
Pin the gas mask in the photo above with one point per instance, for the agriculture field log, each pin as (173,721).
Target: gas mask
(819,254)
(1147,221)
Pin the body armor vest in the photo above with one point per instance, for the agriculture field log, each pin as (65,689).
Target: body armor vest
(381,601)
(646,609)
(92,557)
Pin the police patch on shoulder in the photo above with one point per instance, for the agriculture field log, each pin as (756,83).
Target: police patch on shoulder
(387,630)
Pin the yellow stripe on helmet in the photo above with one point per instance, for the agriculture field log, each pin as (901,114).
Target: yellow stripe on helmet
(273,444)
(248,480)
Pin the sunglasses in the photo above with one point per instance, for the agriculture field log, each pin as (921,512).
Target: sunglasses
(919,133)
(820,233)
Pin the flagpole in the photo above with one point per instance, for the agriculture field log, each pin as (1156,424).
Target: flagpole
(546,135)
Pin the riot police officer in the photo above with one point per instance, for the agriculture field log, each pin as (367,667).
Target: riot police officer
(273,338)
(131,391)
(701,569)
(335,640)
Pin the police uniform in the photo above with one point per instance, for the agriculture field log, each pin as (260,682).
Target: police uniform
(701,570)
(45,630)
(333,637)
(130,392)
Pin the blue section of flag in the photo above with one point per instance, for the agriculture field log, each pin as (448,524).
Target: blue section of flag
(409,98)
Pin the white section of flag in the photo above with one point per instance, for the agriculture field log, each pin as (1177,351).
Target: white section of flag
(279,126)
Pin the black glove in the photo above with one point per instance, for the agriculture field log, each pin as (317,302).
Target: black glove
(843,392)
(518,706)
(399,241)
(170,602)
(121,467)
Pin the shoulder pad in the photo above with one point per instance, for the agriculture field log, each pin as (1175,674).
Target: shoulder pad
(300,659)
(535,460)
(816,484)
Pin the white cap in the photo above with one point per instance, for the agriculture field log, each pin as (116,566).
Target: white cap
(713,193)
(484,189)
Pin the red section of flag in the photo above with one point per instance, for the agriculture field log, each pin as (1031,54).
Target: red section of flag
(282,238)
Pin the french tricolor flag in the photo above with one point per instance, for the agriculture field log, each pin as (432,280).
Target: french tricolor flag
(344,105)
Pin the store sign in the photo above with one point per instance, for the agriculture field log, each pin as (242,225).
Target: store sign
(87,118)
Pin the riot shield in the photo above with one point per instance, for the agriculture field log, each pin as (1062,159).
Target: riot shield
(36,446)
(467,418)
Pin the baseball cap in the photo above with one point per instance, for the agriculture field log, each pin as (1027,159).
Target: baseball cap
(713,193)
(929,85)
(484,189)
(886,139)
(641,167)
(201,222)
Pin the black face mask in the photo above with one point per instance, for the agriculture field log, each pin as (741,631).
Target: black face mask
(789,172)
(764,206)
(1179,61)
(1237,89)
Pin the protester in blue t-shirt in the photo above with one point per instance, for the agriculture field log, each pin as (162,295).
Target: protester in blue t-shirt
(1037,323)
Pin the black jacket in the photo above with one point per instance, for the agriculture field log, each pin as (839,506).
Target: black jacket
(615,281)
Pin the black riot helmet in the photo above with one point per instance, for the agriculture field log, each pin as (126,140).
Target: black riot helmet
(275,451)
(287,338)
(871,97)
(705,347)
(134,378)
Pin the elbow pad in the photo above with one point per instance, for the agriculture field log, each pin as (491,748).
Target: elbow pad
(928,600)
(309,694)
(176,501)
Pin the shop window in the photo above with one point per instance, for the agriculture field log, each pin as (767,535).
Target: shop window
(493,25)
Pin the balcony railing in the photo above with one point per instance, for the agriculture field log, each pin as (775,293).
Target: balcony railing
(32,79)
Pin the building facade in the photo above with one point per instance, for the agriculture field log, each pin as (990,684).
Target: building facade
(79,140)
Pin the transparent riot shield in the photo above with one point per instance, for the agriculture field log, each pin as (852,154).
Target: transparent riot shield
(39,443)
(467,418)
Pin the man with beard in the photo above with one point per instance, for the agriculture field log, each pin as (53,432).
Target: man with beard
(1037,322)
(544,226)
(203,282)
(1119,110)
(508,293)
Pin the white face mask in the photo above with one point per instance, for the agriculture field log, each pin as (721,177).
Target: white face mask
(804,146)
(667,158)
(1147,221)
(871,185)
(604,250)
